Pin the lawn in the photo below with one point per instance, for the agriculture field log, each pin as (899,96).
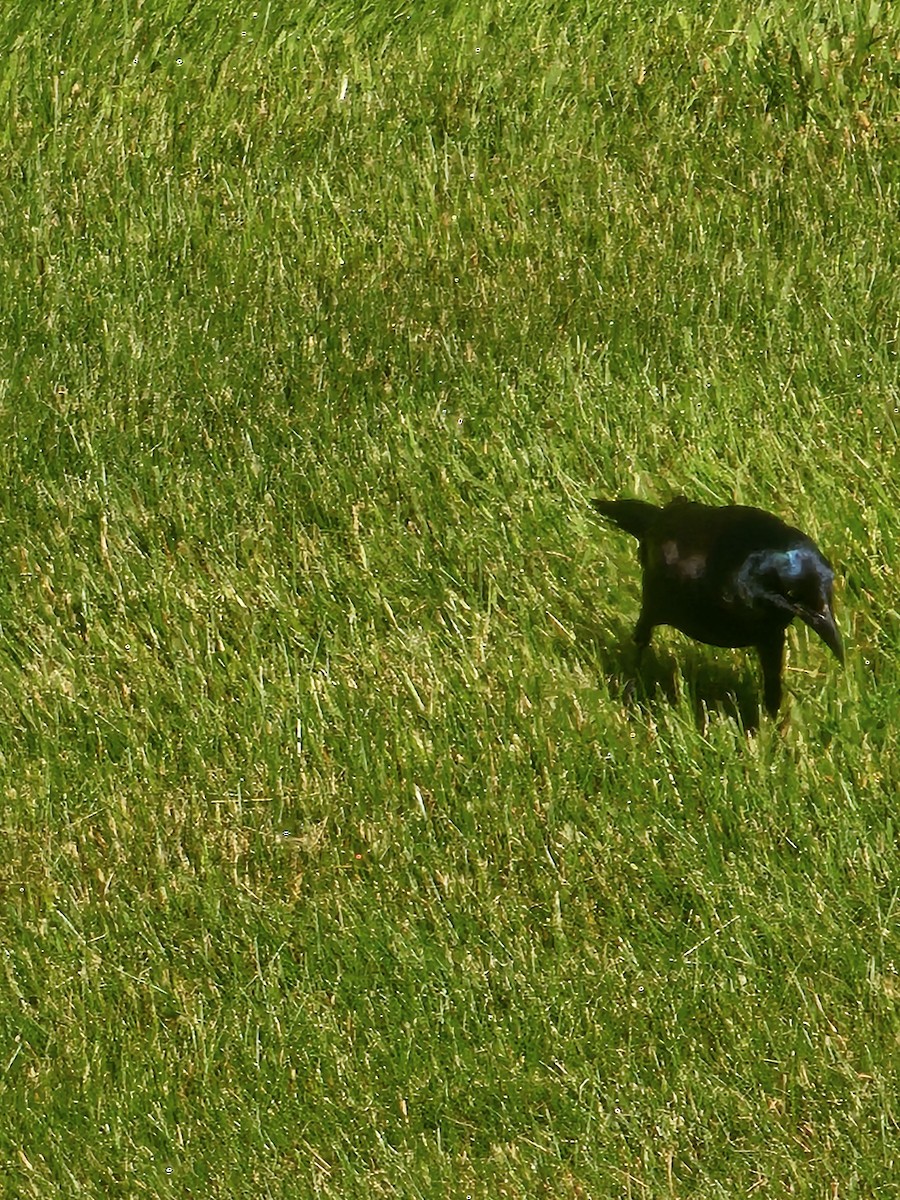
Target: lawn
(339,861)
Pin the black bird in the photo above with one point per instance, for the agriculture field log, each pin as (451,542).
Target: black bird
(732,576)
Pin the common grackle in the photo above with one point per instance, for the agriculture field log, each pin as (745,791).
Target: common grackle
(732,576)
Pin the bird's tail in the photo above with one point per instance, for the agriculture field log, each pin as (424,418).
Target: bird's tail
(634,516)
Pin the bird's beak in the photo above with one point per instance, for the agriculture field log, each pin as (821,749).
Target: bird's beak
(824,625)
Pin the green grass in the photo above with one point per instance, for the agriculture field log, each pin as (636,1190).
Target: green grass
(335,864)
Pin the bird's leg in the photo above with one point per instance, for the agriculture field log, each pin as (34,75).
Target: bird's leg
(643,632)
(771,656)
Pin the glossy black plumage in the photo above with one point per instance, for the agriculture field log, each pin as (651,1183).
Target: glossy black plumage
(731,576)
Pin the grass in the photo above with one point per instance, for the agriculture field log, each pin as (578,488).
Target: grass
(335,863)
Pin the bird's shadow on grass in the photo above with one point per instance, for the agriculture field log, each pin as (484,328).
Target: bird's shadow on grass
(660,675)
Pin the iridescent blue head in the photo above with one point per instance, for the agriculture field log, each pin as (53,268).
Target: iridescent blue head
(800,582)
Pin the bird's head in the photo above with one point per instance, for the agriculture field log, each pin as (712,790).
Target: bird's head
(798,581)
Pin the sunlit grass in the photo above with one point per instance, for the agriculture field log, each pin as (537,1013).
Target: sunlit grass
(336,862)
